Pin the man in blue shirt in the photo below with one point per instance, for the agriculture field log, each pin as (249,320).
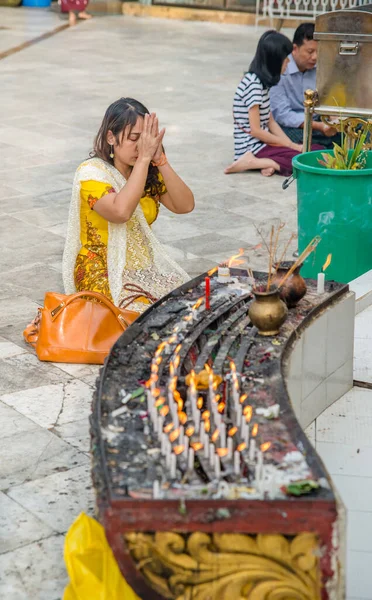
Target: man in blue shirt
(287,98)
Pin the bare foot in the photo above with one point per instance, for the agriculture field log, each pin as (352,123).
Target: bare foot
(268,171)
(84,15)
(72,18)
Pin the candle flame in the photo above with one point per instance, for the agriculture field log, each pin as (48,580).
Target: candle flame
(179,404)
(178,348)
(187,318)
(198,303)
(172,339)
(265,446)
(234,259)
(182,417)
(232,367)
(178,449)
(241,447)
(327,262)
(232,431)
(154,368)
(215,435)
(164,411)
(171,369)
(176,361)
(200,402)
(247,411)
(254,430)
(206,415)
(160,348)
(156,392)
(242,398)
(154,378)
(158,360)
(190,430)
(159,402)
(221,407)
(197,446)
(236,384)
(222,452)
(174,435)
(168,427)
(211,271)
(207,426)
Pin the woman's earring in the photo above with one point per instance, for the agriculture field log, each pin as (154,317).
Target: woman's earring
(112,151)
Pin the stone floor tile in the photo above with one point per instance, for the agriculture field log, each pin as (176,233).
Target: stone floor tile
(37,279)
(52,405)
(359,531)
(13,423)
(18,526)
(8,349)
(346,459)
(347,486)
(15,234)
(35,571)
(57,499)
(25,371)
(75,433)
(358,582)
(362,360)
(35,454)
(20,306)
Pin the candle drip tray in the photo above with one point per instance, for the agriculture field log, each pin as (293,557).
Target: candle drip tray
(198,448)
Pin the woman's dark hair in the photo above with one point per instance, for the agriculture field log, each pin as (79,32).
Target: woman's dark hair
(273,48)
(119,116)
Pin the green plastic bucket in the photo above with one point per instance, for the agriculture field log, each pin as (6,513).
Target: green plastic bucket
(337,206)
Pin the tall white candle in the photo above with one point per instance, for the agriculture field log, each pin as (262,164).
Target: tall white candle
(190,461)
(320,283)
(230,446)
(217,466)
(222,428)
(252,450)
(173,466)
(237,462)
(206,448)
(156,490)
(211,454)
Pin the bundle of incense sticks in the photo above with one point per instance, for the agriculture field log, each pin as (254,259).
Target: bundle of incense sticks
(308,250)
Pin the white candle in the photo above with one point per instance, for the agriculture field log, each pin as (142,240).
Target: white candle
(223,274)
(156,490)
(252,450)
(182,435)
(217,466)
(237,462)
(211,454)
(222,428)
(160,426)
(230,446)
(186,442)
(238,415)
(206,448)
(190,463)
(150,401)
(320,283)
(163,447)
(173,465)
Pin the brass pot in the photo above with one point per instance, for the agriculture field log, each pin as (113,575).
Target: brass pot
(294,288)
(267,312)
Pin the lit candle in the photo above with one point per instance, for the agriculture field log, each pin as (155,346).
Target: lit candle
(156,490)
(252,450)
(173,465)
(222,428)
(237,462)
(206,447)
(211,454)
(186,442)
(223,273)
(320,283)
(230,446)
(190,462)
(217,466)
(164,440)
(207,293)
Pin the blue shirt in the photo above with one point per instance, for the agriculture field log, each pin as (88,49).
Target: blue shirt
(287,98)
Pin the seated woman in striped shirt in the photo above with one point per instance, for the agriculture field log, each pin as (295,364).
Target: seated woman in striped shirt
(260,143)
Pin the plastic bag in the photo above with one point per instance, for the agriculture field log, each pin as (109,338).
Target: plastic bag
(93,571)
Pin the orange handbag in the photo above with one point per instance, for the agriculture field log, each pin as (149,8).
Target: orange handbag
(81,327)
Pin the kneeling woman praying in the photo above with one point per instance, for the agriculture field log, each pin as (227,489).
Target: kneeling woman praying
(116,197)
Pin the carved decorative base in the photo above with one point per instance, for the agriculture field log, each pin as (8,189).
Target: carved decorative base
(226,566)
(350,126)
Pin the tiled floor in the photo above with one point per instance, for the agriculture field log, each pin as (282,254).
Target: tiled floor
(53,96)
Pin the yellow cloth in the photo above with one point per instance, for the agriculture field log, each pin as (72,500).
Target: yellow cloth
(93,571)
(91,263)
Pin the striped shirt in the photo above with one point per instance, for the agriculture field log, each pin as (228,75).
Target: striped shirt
(250,92)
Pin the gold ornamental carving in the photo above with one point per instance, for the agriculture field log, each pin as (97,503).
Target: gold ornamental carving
(350,126)
(225,566)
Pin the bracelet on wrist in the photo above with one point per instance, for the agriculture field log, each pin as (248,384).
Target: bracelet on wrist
(161,162)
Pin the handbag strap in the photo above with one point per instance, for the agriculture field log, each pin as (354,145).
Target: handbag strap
(55,312)
(138,292)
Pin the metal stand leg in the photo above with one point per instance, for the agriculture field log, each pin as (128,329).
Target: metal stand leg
(309,104)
